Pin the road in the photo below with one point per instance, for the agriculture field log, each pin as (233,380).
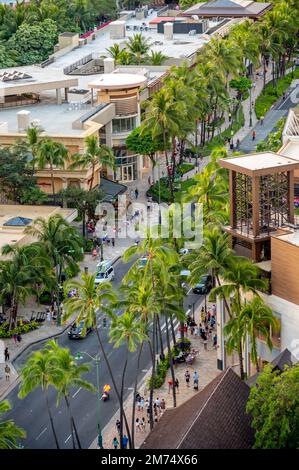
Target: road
(31,413)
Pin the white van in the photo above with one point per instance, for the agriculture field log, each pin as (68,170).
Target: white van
(105,272)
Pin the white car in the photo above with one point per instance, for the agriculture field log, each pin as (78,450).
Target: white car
(105,272)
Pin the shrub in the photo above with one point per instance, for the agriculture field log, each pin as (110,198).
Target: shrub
(25,327)
(184,168)
(45,298)
(87,245)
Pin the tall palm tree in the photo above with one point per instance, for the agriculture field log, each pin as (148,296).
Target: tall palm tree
(27,267)
(138,45)
(9,431)
(256,318)
(71,377)
(240,276)
(62,244)
(126,330)
(95,154)
(50,154)
(91,299)
(40,370)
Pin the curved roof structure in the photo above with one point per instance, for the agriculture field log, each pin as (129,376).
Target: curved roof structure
(114,81)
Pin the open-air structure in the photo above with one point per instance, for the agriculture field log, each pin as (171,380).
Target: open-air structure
(261,201)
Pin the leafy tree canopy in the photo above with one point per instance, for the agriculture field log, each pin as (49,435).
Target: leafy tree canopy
(142,142)
(274,406)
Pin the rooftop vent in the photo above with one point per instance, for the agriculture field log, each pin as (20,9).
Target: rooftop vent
(15,75)
(17,222)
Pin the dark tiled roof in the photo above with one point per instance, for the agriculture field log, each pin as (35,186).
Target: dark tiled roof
(228,7)
(285,358)
(214,418)
(111,189)
(17,222)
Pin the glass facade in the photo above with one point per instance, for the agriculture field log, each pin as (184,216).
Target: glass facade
(123,125)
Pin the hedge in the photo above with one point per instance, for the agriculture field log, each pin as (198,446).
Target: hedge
(21,329)
(271,94)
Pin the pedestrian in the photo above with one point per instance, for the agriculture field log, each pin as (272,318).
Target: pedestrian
(113,241)
(170,384)
(187,378)
(149,180)
(115,442)
(117,424)
(213,309)
(136,193)
(158,403)
(142,424)
(14,337)
(202,314)
(195,379)
(141,403)
(19,338)
(205,341)
(262,120)
(253,135)
(192,330)
(7,373)
(163,405)
(132,194)
(177,384)
(137,423)
(125,441)
(283,96)
(156,412)
(215,341)
(186,329)
(238,144)
(6,354)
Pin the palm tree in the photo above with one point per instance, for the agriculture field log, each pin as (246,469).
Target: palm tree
(40,370)
(95,154)
(126,330)
(256,318)
(240,276)
(225,54)
(9,431)
(91,299)
(27,267)
(138,45)
(71,377)
(52,154)
(156,58)
(62,244)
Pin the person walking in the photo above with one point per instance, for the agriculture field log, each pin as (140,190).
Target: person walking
(125,441)
(113,241)
(170,384)
(205,341)
(117,424)
(137,423)
(215,341)
(115,442)
(253,135)
(177,384)
(6,354)
(163,405)
(136,193)
(14,337)
(238,144)
(187,378)
(142,424)
(195,380)
(262,120)
(7,373)
(19,338)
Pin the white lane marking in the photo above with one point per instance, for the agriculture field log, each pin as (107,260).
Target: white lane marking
(77,392)
(130,388)
(68,439)
(41,433)
(144,370)
(189,291)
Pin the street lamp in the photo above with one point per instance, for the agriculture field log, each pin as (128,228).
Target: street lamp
(232,141)
(96,359)
(250,103)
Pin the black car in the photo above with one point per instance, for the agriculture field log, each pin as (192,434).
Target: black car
(77,331)
(204,286)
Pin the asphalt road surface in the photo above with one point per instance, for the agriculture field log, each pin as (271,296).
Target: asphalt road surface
(31,412)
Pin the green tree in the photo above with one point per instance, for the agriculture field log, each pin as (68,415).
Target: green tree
(126,330)
(156,58)
(40,371)
(9,431)
(138,45)
(274,406)
(63,246)
(95,154)
(52,154)
(92,298)
(71,376)
(34,42)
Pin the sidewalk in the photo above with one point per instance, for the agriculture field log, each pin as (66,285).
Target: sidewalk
(206,366)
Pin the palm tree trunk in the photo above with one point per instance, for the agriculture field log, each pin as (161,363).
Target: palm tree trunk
(92,178)
(114,384)
(71,421)
(172,331)
(51,419)
(170,363)
(76,433)
(134,396)
(52,180)
(242,375)
(121,431)
(153,353)
(224,298)
(160,338)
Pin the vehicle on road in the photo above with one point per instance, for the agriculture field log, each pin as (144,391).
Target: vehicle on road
(105,272)
(204,285)
(78,331)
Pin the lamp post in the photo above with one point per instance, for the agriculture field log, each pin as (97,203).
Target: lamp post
(232,141)
(96,359)
(250,106)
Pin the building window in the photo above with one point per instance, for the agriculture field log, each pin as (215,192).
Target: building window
(123,125)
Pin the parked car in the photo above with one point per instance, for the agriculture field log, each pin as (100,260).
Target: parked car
(105,272)
(77,331)
(204,286)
